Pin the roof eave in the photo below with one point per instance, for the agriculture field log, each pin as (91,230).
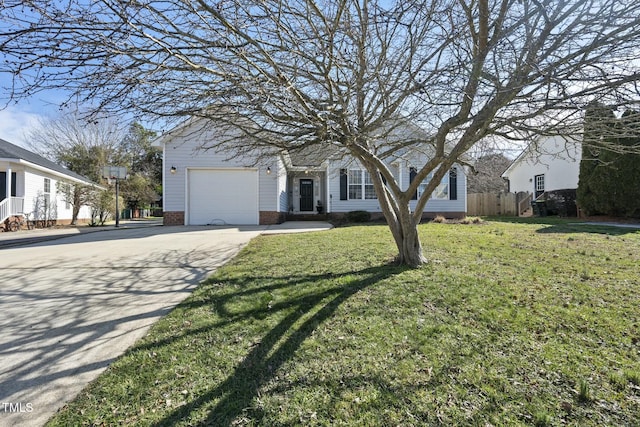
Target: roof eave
(49,171)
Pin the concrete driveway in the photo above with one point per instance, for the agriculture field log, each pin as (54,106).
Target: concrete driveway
(70,306)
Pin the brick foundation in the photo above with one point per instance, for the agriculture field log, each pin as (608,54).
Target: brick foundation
(79,221)
(269,217)
(173,218)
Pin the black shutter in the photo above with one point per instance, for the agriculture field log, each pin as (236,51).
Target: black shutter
(13,184)
(412,177)
(343,184)
(453,184)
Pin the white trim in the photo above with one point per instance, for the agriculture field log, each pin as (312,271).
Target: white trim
(49,171)
(363,184)
(537,180)
(327,190)
(164,177)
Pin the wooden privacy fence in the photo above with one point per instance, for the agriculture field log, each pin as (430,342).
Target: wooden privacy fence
(481,204)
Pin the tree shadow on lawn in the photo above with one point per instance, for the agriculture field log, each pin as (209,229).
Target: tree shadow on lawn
(263,360)
(564,225)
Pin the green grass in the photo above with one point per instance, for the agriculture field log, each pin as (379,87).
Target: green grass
(509,324)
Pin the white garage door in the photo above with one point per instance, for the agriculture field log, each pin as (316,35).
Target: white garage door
(222,196)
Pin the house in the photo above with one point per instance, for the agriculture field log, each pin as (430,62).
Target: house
(208,186)
(29,186)
(549,163)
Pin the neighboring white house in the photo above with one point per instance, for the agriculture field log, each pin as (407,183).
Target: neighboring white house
(547,164)
(203,187)
(29,186)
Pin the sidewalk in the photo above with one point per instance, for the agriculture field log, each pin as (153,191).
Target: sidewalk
(25,237)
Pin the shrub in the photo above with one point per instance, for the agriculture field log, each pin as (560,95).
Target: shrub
(471,220)
(439,219)
(358,216)
(564,202)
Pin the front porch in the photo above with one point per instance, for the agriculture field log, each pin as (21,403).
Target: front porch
(307,191)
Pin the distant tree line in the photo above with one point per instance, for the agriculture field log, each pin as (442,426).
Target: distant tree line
(86,146)
(487,174)
(609,182)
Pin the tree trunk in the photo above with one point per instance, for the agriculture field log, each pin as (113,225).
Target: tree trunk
(405,233)
(402,222)
(77,204)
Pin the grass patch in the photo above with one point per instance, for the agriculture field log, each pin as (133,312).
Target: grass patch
(509,324)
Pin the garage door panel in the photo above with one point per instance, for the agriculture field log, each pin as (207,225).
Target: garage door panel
(223,196)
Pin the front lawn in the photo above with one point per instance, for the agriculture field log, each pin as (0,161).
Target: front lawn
(509,324)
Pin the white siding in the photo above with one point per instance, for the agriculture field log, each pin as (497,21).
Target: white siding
(557,158)
(34,188)
(401,171)
(181,151)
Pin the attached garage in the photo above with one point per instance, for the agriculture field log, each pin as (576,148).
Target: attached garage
(222,196)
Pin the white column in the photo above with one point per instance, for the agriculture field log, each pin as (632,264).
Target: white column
(327,191)
(8,180)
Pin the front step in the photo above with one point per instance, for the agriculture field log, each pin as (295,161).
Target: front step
(527,213)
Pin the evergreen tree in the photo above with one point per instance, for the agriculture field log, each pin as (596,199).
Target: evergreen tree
(591,182)
(144,166)
(609,181)
(628,165)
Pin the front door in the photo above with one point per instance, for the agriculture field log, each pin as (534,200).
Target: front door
(306,195)
(538,182)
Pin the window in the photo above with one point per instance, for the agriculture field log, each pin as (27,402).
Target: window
(538,185)
(47,193)
(441,192)
(355,184)
(360,185)
(369,189)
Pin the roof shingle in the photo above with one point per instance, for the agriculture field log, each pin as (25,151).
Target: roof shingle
(11,151)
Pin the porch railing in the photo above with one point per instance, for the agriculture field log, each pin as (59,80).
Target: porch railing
(11,206)
(524,204)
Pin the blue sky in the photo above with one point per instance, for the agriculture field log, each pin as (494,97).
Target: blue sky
(15,121)
(17,118)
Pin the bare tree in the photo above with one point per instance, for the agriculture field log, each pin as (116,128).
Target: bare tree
(349,75)
(487,174)
(81,146)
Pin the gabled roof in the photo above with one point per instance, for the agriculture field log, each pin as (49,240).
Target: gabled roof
(11,152)
(314,156)
(536,148)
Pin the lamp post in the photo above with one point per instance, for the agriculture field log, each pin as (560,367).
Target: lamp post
(117,173)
